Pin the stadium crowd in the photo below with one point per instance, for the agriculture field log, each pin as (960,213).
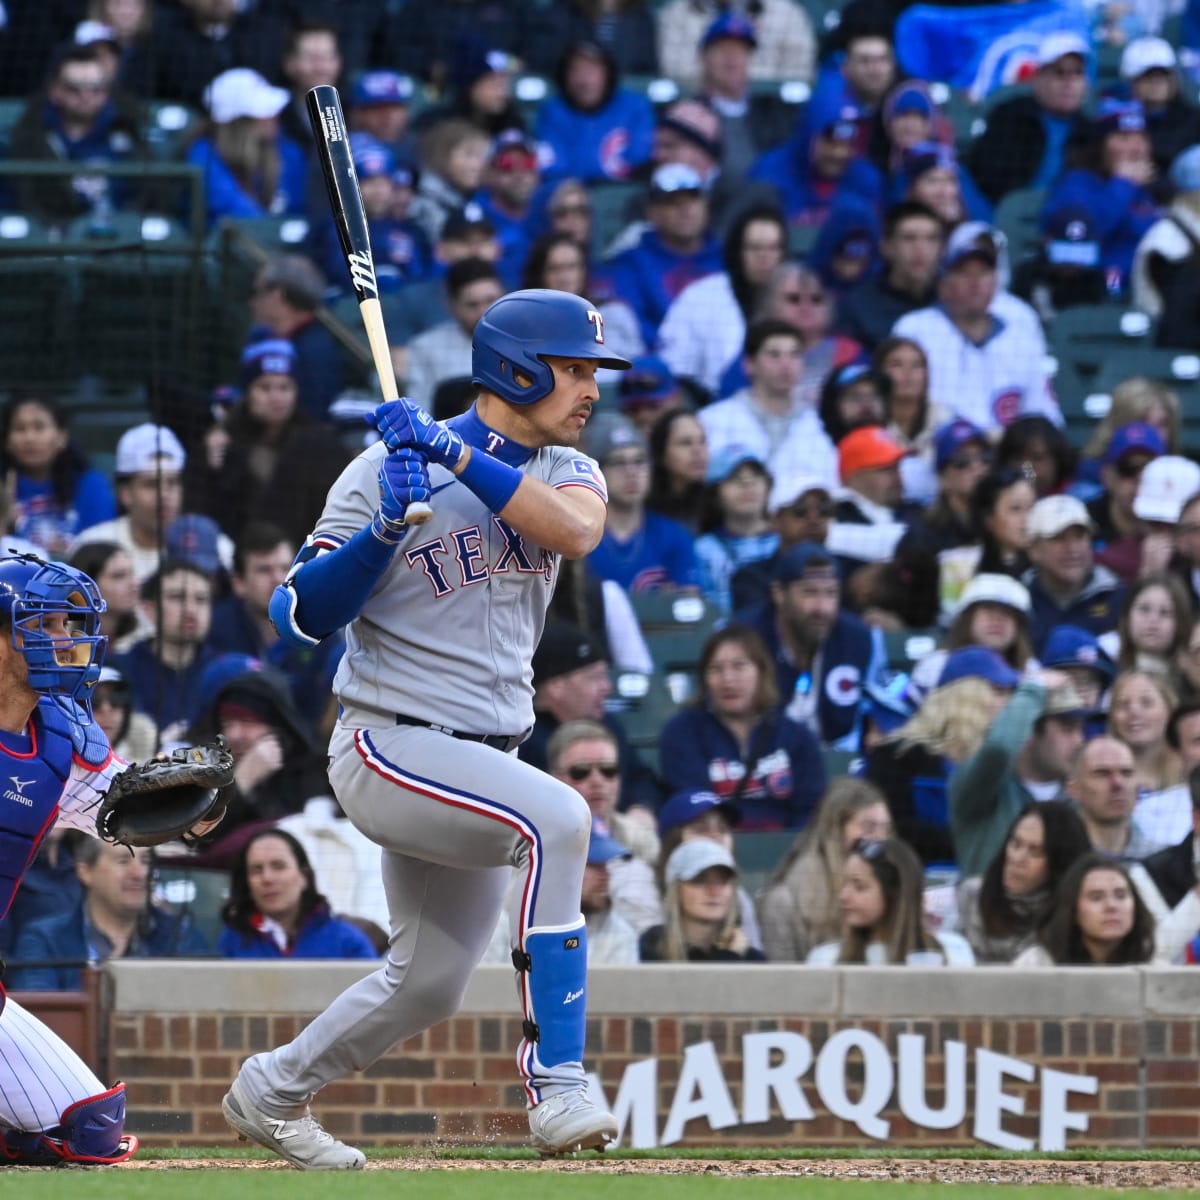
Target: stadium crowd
(947,653)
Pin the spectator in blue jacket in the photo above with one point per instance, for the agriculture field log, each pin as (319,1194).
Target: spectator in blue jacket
(824,656)
(399,246)
(738,742)
(1066,584)
(76,118)
(241,624)
(595,129)
(930,174)
(274,909)
(114,918)
(55,492)
(250,169)
(642,551)
(509,185)
(1113,185)
(820,166)
(676,250)
(481,75)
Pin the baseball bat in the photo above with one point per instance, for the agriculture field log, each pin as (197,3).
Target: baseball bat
(345,199)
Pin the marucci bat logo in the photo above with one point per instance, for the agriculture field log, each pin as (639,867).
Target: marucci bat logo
(362,272)
(333,124)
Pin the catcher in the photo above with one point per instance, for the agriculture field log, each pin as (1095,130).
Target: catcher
(57,765)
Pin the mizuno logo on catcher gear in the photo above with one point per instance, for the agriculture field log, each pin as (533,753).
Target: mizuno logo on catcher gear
(20,784)
(573,996)
(279,1130)
(362,272)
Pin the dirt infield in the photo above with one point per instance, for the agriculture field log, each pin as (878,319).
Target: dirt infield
(1166,1175)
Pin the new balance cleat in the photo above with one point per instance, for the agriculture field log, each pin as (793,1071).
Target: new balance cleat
(570,1122)
(301,1141)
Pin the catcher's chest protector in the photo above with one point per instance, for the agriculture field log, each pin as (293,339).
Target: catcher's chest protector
(31,786)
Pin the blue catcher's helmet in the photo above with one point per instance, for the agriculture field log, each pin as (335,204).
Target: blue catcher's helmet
(520,330)
(61,663)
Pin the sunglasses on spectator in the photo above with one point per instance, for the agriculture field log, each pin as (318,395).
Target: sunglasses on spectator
(812,508)
(572,210)
(868,849)
(960,462)
(578,772)
(1130,468)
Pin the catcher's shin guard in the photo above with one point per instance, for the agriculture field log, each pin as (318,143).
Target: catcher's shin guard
(552,961)
(90,1131)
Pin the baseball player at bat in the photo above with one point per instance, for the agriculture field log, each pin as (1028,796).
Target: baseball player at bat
(55,766)
(435,694)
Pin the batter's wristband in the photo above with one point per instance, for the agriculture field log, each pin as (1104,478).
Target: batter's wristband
(491,480)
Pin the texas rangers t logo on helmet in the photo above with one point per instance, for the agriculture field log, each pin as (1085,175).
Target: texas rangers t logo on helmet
(597,319)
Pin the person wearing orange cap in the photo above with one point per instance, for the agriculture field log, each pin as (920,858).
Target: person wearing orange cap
(870,516)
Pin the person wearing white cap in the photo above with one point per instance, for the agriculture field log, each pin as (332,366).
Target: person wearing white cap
(1164,264)
(677,248)
(250,169)
(801,510)
(1066,585)
(1149,69)
(149,481)
(1026,137)
(985,348)
(993,611)
(701,907)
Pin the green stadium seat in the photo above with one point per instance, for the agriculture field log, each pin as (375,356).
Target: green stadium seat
(154,230)
(276,235)
(1082,340)
(169,125)
(758,854)
(612,208)
(642,704)
(21,233)
(198,891)
(669,610)
(1178,369)
(11,107)
(138,316)
(906,647)
(675,628)
(36,301)
(837,762)
(1018,217)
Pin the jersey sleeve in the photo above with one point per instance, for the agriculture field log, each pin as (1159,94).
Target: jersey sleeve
(85,789)
(572,468)
(351,502)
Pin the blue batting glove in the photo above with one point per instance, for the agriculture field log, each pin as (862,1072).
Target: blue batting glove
(403,479)
(406,426)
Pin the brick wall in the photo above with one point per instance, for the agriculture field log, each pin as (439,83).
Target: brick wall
(457,1082)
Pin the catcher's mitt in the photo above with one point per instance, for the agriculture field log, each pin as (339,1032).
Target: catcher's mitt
(159,801)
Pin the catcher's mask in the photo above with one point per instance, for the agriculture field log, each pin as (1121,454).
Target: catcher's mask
(53,612)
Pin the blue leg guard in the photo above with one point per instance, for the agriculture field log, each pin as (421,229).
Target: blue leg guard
(92,1131)
(552,963)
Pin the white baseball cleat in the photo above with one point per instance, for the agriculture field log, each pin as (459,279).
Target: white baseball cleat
(301,1141)
(569,1122)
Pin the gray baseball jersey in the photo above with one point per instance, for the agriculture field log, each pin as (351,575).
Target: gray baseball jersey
(446,636)
(448,632)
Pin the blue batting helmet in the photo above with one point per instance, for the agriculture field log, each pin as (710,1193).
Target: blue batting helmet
(61,662)
(520,330)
